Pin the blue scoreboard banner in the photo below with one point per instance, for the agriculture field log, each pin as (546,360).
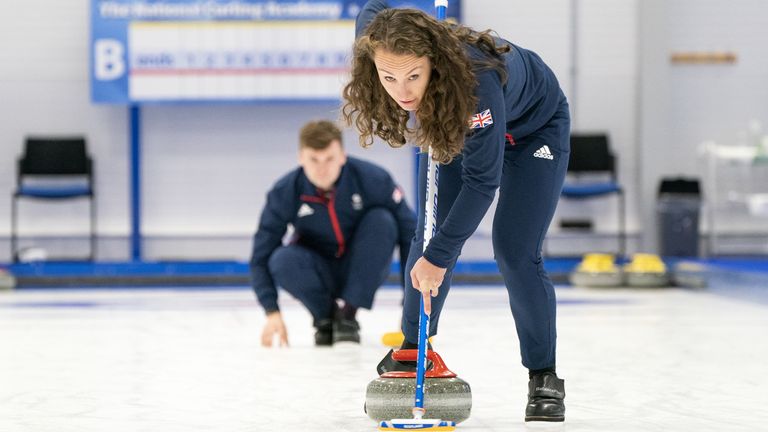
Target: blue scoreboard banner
(145,51)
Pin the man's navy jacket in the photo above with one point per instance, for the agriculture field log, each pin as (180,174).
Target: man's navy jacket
(324,221)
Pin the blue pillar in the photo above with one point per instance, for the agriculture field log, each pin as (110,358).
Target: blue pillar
(135,132)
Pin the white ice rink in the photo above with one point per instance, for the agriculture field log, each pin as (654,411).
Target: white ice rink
(189,360)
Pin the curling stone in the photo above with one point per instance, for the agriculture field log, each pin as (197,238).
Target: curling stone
(7,281)
(646,270)
(446,396)
(689,274)
(597,270)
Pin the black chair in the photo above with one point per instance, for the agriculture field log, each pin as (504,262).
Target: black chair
(54,168)
(592,174)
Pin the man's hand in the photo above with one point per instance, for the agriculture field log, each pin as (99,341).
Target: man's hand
(274,327)
(427,278)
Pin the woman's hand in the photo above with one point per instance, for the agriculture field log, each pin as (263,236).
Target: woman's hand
(427,278)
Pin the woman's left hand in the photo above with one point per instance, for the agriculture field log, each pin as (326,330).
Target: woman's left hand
(427,278)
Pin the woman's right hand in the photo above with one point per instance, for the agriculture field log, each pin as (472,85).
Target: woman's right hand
(427,278)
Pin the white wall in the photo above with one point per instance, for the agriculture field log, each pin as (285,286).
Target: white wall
(44,89)
(207,167)
(605,81)
(684,105)
(591,45)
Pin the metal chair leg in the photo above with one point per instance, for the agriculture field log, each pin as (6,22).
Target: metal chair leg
(14,254)
(92,204)
(622,225)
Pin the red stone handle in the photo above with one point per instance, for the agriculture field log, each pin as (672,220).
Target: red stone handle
(438,370)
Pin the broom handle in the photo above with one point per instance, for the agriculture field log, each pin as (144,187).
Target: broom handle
(441,7)
(430,226)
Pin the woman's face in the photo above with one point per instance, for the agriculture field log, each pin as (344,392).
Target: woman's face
(404,77)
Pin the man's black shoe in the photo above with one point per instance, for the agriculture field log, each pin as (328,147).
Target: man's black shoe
(324,333)
(546,393)
(345,330)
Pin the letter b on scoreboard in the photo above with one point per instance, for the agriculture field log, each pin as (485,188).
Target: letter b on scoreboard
(109,71)
(108,59)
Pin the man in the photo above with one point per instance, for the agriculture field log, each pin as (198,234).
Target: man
(347,216)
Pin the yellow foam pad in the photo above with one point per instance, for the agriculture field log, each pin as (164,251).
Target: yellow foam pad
(394,339)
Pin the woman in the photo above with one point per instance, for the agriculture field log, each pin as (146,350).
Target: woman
(496,118)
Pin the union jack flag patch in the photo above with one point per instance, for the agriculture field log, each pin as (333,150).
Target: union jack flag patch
(481,119)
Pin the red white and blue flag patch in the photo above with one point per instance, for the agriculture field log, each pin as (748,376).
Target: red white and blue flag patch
(481,119)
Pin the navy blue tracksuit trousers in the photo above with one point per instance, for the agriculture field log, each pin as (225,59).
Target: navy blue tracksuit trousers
(528,195)
(317,280)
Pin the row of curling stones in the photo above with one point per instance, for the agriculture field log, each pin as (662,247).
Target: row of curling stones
(601,270)
(446,396)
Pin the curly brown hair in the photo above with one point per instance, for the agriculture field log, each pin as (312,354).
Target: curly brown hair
(449,101)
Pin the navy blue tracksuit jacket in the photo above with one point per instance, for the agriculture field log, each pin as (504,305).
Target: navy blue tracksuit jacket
(519,146)
(325,222)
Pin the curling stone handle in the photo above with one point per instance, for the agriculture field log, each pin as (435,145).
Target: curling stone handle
(439,368)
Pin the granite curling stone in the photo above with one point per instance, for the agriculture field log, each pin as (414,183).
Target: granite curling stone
(646,271)
(446,396)
(7,281)
(597,270)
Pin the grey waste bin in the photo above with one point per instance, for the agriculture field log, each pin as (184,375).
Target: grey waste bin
(677,217)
